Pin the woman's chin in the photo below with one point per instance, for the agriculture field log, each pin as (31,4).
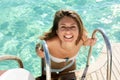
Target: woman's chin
(69,41)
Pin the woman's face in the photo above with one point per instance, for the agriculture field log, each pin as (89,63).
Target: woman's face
(67,30)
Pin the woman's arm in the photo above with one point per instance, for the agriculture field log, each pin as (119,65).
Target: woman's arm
(39,50)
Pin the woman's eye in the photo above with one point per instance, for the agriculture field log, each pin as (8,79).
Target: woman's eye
(73,28)
(65,28)
(62,28)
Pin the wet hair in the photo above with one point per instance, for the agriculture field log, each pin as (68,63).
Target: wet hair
(58,16)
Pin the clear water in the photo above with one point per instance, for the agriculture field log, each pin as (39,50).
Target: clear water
(23,21)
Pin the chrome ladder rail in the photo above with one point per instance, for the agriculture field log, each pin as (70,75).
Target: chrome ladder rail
(47,60)
(109,55)
(11,57)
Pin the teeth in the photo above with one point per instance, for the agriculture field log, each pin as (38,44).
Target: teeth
(68,36)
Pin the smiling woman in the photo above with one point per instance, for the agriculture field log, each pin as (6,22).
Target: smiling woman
(64,40)
(21,21)
(67,29)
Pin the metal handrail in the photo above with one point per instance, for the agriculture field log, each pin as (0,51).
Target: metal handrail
(109,55)
(47,59)
(11,57)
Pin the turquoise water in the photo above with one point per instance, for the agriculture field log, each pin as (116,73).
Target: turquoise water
(23,21)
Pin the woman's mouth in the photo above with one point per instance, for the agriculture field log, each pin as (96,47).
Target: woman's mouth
(68,37)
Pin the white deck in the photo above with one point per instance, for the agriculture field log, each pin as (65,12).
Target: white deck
(97,70)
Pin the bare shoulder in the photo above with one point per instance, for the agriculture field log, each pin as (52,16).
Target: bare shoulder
(53,41)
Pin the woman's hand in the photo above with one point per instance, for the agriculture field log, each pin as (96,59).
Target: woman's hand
(90,42)
(39,51)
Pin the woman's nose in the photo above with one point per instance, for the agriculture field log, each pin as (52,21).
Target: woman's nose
(68,29)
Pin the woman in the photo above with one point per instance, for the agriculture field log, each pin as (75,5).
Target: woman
(64,40)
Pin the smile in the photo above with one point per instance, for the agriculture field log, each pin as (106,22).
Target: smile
(68,36)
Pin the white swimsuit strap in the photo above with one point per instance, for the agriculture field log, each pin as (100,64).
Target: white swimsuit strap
(67,66)
(59,70)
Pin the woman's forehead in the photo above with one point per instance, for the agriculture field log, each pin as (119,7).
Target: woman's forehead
(67,20)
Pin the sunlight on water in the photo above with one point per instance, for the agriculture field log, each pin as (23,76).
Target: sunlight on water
(23,21)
